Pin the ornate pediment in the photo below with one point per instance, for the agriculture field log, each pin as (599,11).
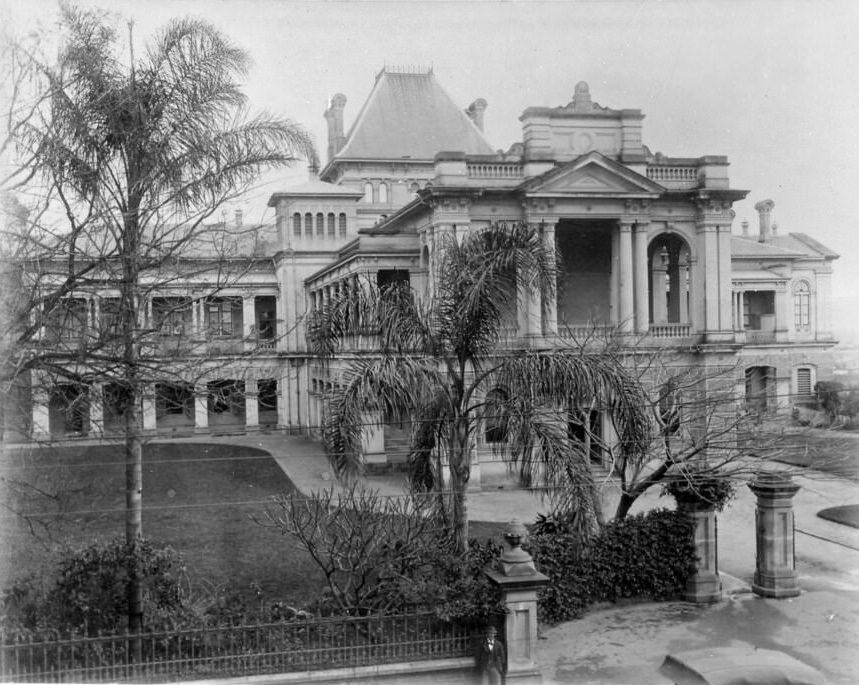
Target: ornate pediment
(593,174)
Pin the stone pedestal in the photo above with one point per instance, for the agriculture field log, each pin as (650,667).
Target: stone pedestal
(704,586)
(775,572)
(519,582)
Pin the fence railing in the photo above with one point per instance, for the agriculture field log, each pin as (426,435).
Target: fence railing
(301,645)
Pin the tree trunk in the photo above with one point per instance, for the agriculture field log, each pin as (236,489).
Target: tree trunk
(134,509)
(460,470)
(624,504)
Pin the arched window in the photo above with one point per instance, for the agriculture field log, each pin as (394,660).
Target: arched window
(332,228)
(342,225)
(308,225)
(413,189)
(383,193)
(802,306)
(495,417)
(320,225)
(368,192)
(296,225)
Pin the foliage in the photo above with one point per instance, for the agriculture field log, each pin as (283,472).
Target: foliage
(127,157)
(443,362)
(87,591)
(648,555)
(385,555)
(700,487)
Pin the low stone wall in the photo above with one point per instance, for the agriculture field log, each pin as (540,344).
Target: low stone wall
(458,671)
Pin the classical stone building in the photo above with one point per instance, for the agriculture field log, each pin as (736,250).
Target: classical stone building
(647,245)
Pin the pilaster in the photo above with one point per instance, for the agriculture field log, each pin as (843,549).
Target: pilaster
(713,225)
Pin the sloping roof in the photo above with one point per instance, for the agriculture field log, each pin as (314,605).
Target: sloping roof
(313,187)
(752,248)
(410,115)
(812,245)
(792,246)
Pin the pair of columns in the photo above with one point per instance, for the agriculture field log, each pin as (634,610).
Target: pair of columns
(631,282)
(633,272)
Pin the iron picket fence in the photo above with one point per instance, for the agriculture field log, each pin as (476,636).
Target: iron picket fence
(300,645)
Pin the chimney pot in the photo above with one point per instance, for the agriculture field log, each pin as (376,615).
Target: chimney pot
(334,117)
(764,209)
(475,112)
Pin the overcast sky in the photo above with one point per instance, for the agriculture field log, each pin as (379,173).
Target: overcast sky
(772,85)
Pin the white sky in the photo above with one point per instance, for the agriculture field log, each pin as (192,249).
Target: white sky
(771,84)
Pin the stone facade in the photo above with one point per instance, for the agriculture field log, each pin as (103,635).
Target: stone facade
(647,245)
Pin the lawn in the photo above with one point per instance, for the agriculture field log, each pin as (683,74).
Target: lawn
(201,499)
(835,452)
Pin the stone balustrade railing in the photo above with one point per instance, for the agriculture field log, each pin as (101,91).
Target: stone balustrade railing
(674,176)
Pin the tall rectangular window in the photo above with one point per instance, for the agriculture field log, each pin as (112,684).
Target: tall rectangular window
(803,381)
(221,319)
(802,306)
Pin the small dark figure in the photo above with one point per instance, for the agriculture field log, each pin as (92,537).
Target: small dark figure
(491,659)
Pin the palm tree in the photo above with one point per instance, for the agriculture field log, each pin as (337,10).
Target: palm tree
(443,361)
(138,152)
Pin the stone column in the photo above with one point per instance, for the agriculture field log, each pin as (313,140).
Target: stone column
(775,572)
(550,303)
(373,441)
(251,404)
(519,582)
(660,304)
(96,410)
(640,270)
(150,418)
(201,408)
(249,318)
(41,414)
(704,586)
(626,277)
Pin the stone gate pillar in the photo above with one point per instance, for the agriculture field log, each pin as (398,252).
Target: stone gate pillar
(775,572)
(704,586)
(519,581)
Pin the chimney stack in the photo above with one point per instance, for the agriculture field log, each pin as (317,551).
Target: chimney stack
(745,226)
(475,112)
(764,209)
(334,117)
(238,217)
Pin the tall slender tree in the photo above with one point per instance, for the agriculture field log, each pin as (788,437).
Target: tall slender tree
(443,361)
(131,155)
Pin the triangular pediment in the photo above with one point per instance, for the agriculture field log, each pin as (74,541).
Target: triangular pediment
(593,174)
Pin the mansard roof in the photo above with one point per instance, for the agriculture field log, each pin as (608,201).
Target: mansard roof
(409,115)
(591,174)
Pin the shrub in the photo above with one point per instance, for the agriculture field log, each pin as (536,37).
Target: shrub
(700,487)
(383,555)
(86,592)
(644,556)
